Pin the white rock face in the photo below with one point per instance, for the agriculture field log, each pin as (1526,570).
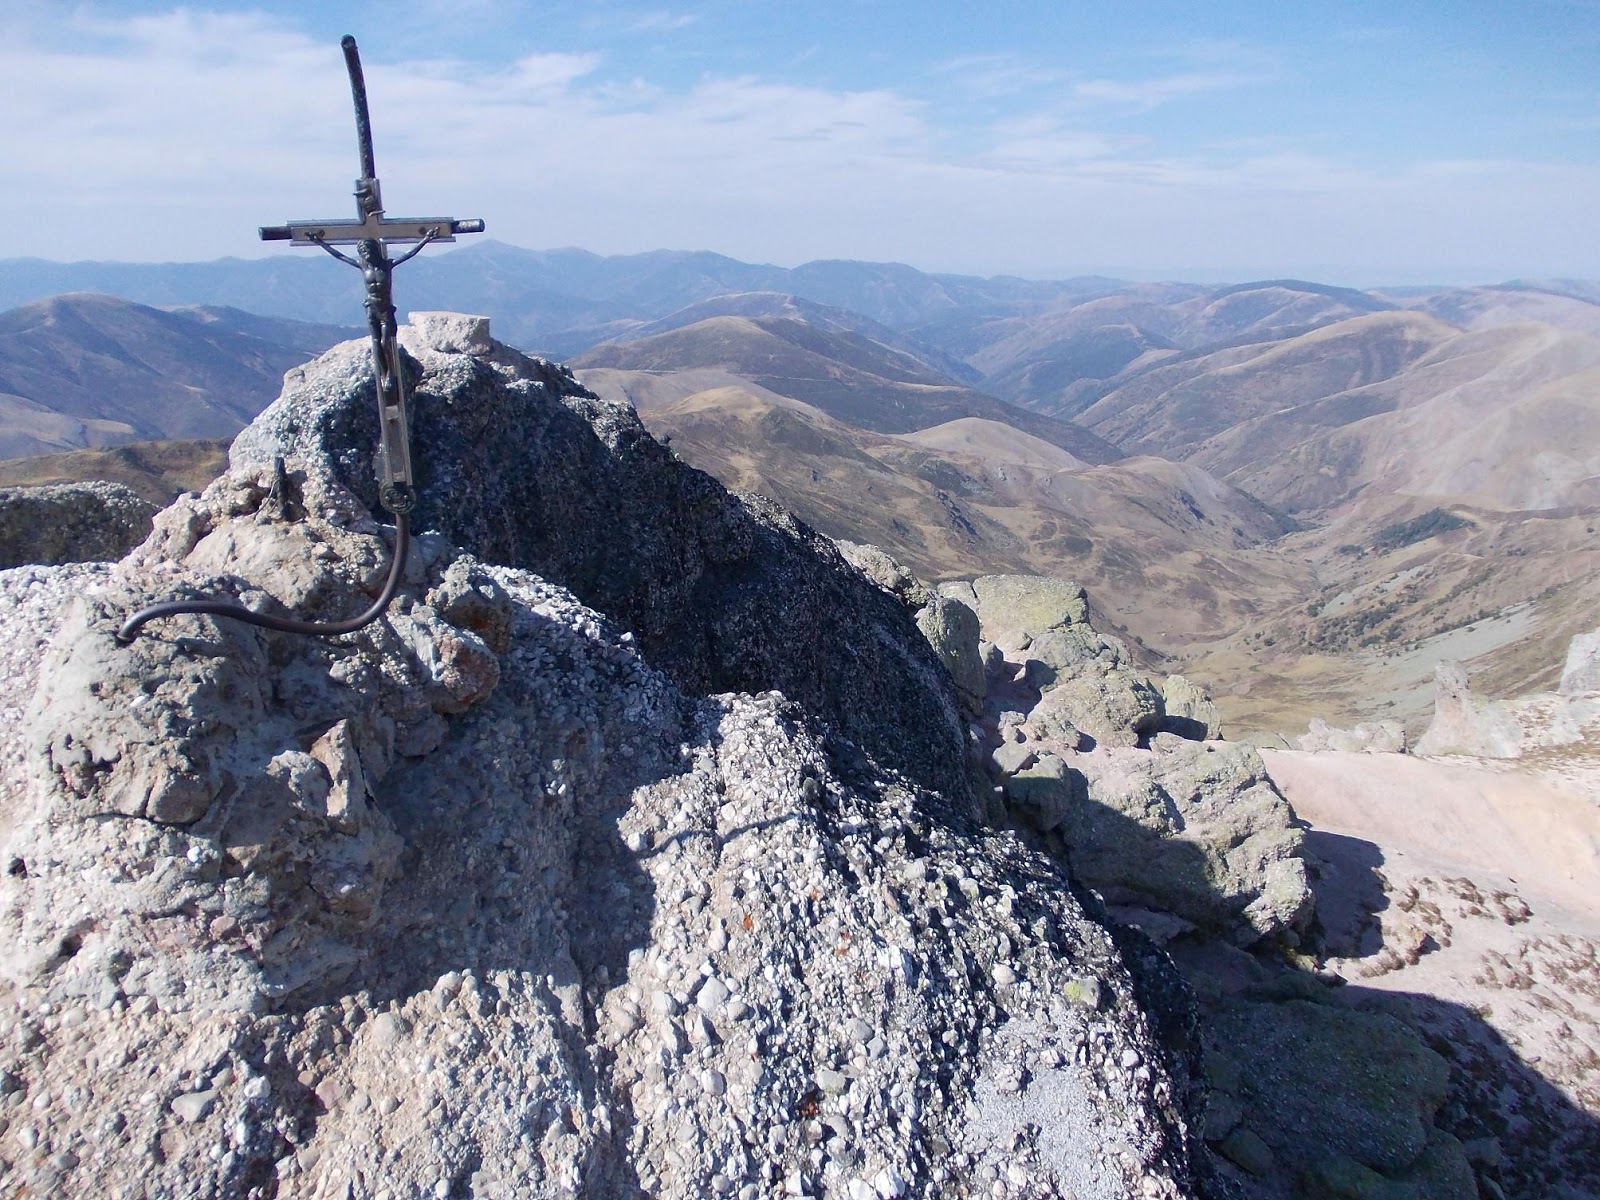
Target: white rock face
(1581,674)
(1465,723)
(478,902)
(447,333)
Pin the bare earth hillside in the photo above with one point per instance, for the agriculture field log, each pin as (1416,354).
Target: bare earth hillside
(970,496)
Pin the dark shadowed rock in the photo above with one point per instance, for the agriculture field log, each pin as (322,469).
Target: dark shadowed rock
(70,522)
(520,465)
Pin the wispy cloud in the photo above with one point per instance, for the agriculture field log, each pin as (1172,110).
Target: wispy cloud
(997,75)
(159,138)
(1146,94)
(658,21)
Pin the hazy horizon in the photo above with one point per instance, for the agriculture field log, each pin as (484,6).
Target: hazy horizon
(1201,276)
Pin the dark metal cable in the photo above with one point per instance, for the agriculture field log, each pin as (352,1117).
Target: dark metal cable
(226,608)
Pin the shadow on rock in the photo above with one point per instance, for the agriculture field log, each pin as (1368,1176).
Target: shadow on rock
(1323,1091)
(1349,890)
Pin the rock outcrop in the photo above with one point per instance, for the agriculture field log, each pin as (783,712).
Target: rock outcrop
(1191,834)
(70,522)
(1466,723)
(1189,842)
(495,897)
(526,468)
(1189,711)
(1085,678)
(950,626)
(1580,674)
(1369,737)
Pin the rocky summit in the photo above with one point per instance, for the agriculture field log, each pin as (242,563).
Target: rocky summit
(637,850)
(650,844)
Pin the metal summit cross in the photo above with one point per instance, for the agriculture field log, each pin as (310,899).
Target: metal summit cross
(372,234)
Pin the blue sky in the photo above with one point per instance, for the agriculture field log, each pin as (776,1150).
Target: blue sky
(1353,143)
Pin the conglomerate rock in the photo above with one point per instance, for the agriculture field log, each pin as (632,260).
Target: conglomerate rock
(520,465)
(950,626)
(70,522)
(480,902)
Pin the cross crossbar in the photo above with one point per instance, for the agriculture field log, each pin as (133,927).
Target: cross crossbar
(394,230)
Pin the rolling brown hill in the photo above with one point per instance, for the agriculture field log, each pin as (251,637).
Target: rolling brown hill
(85,370)
(1366,424)
(855,379)
(1060,361)
(157,471)
(973,496)
(1174,407)
(1509,304)
(1507,418)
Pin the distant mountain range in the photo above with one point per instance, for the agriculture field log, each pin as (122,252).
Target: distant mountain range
(1225,467)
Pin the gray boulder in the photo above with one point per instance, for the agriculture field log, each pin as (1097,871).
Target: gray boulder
(1085,677)
(1199,831)
(1015,609)
(1189,710)
(1369,737)
(519,465)
(70,522)
(1344,1100)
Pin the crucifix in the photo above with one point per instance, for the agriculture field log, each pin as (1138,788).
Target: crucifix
(372,233)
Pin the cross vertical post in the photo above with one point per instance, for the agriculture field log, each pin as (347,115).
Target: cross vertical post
(372,233)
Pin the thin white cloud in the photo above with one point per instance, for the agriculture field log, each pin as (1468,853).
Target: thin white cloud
(999,75)
(161,139)
(1145,94)
(659,22)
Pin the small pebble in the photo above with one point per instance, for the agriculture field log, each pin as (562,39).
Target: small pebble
(831,1081)
(193,1106)
(712,993)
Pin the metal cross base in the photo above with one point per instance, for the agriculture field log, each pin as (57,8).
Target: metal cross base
(371,233)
